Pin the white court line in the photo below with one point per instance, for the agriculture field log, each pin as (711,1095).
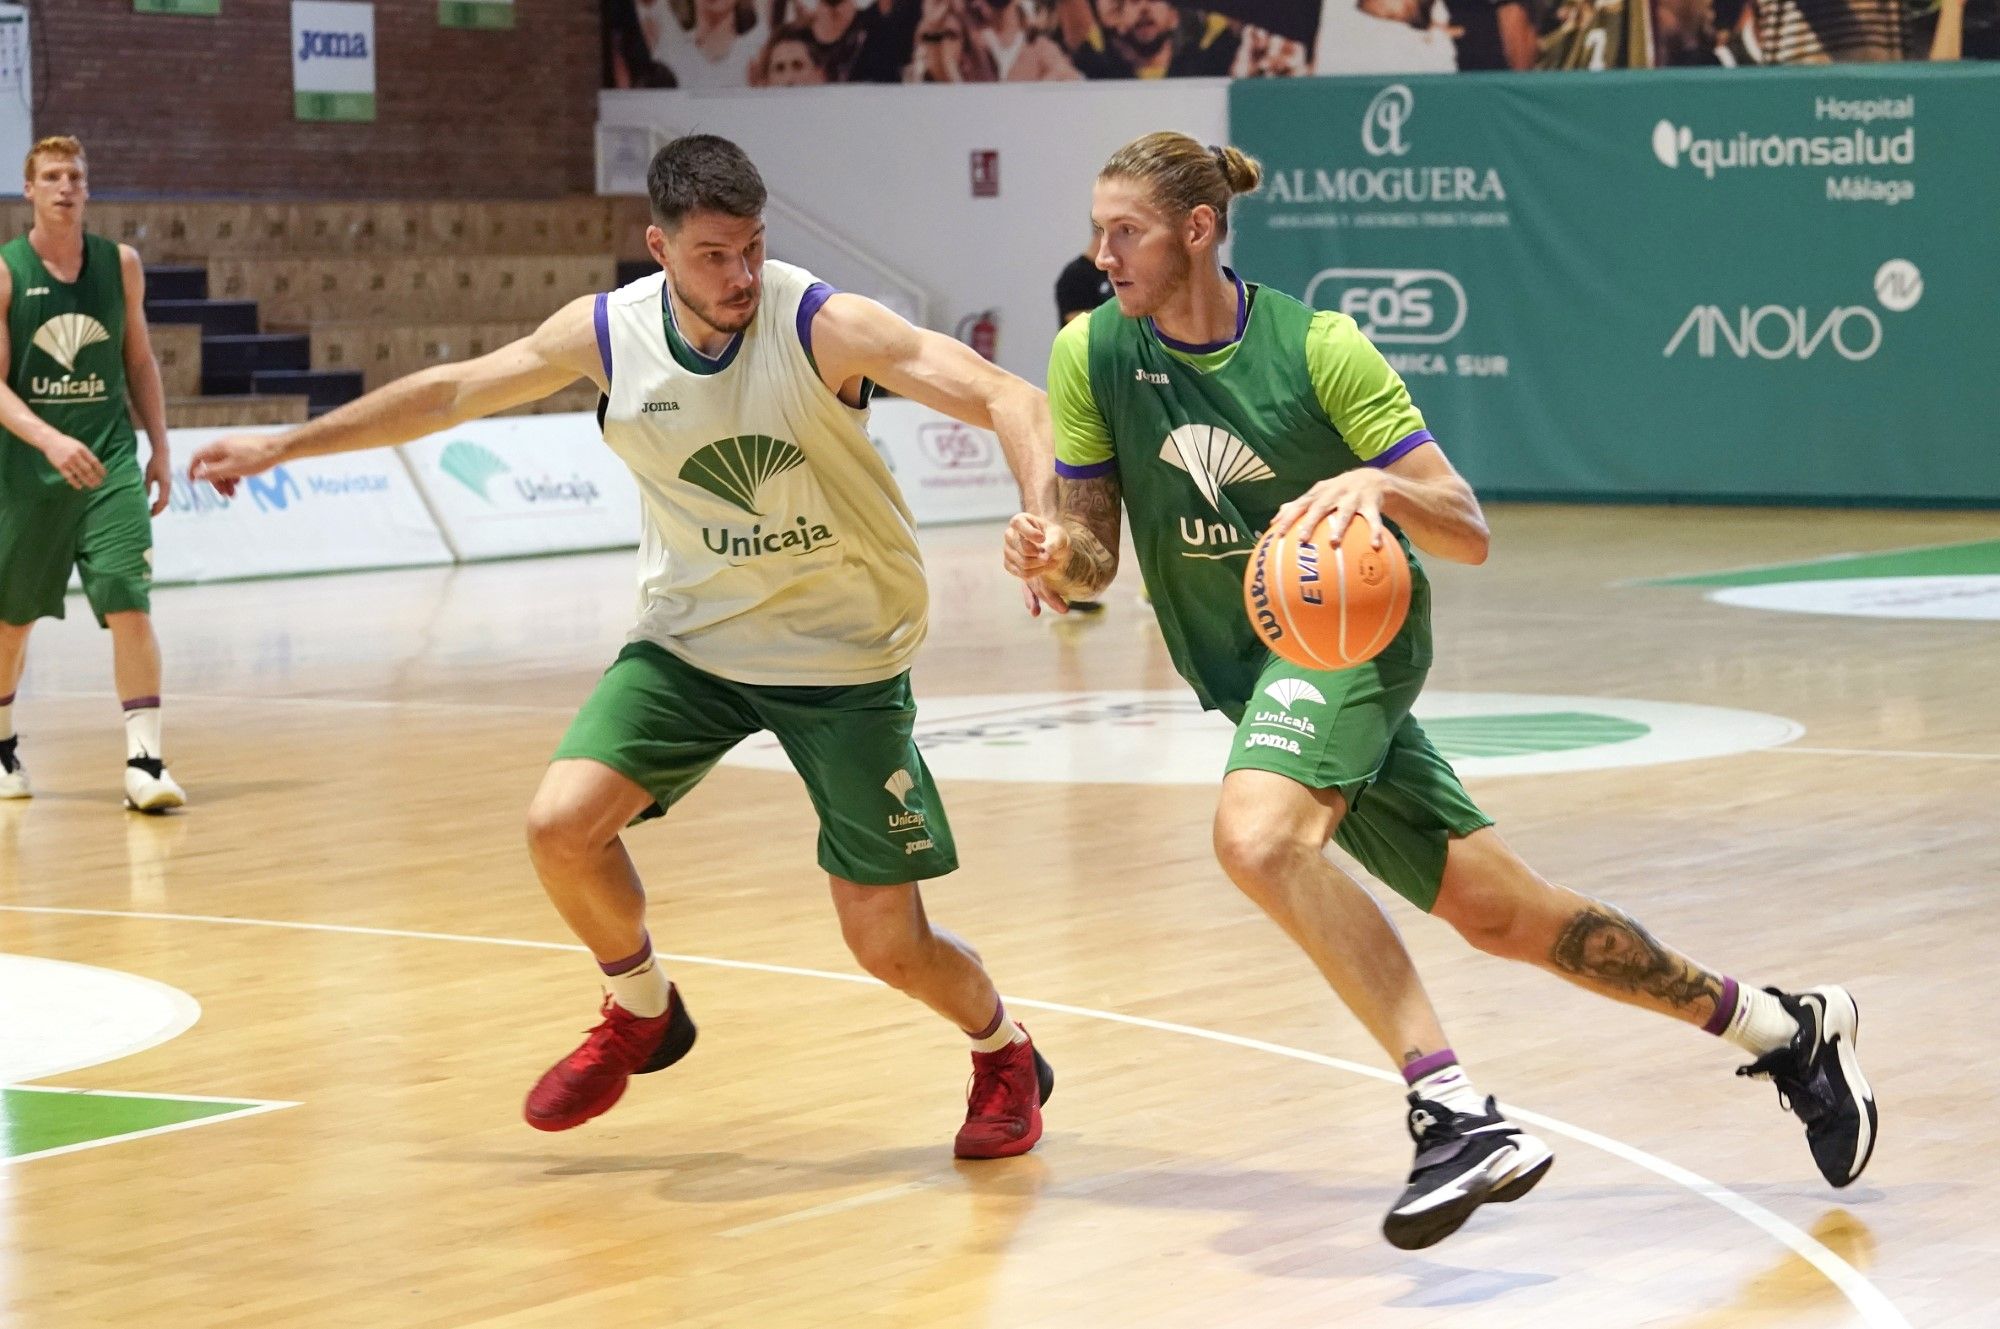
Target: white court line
(1891,752)
(257,1107)
(1876,1310)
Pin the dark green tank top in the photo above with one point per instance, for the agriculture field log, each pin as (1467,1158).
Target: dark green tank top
(67,358)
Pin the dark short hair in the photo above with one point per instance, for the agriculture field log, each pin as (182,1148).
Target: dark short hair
(703,173)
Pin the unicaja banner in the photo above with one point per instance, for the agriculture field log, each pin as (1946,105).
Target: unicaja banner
(1672,285)
(333,60)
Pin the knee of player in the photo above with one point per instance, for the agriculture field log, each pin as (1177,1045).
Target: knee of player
(891,958)
(560,829)
(1484,912)
(1257,855)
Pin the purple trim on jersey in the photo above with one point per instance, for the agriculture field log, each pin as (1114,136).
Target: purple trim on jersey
(810,303)
(1242,322)
(601,316)
(1089,472)
(1402,449)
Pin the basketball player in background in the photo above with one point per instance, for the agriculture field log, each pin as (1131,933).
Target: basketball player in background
(781,589)
(72,491)
(1195,394)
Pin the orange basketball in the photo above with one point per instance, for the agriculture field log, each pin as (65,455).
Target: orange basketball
(1322,605)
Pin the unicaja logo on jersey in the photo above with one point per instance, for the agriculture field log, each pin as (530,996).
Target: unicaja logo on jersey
(911,819)
(1382,123)
(1289,692)
(65,336)
(737,471)
(1214,459)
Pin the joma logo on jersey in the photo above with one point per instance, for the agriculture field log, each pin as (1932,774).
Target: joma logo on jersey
(656,407)
(1142,376)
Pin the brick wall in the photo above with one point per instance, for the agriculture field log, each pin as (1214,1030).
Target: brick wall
(203,106)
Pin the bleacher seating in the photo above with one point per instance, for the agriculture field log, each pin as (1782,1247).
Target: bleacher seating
(270,312)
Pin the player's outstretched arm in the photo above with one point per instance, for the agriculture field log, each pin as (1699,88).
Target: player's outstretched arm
(559,352)
(1420,491)
(854,337)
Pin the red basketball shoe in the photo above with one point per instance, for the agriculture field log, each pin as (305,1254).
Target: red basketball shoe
(589,1080)
(1003,1109)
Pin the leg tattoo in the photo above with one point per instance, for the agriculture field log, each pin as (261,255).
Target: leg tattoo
(1605,945)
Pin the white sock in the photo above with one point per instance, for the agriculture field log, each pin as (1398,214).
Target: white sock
(1761,1024)
(1451,1088)
(1003,1032)
(642,991)
(142,732)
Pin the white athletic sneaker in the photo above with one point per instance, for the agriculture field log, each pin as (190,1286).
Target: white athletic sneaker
(148,787)
(13,775)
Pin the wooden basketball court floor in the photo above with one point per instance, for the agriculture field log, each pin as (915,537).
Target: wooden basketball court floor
(348,901)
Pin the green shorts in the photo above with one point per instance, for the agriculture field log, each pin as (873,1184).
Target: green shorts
(105,533)
(663,724)
(1351,730)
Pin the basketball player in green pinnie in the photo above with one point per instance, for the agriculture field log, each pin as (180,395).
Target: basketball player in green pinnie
(1212,408)
(73,495)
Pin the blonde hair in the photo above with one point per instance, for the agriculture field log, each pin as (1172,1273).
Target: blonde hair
(1182,175)
(56,145)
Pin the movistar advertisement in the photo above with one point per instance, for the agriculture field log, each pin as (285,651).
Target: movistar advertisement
(1671,285)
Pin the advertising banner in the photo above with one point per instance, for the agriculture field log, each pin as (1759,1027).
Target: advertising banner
(341,513)
(333,60)
(529,484)
(948,471)
(1656,285)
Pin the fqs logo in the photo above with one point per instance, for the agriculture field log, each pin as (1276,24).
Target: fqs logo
(1415,306)
(1382,123)
(1791,332)
(955,447)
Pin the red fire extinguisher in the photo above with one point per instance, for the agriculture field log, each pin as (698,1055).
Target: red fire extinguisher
(981,331)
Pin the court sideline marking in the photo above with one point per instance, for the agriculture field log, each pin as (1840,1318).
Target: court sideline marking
(566,712)
(1875,1309)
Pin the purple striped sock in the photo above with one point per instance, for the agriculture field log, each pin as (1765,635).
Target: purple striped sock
(1430,1065)
(1725,1008)
(992,1025)
(141,703)
(632,961)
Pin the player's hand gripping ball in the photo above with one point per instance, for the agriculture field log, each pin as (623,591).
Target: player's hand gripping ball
(1324,605)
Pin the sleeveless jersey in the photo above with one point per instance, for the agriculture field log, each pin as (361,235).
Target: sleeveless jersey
(776,549)
(1207,452)
(67,359)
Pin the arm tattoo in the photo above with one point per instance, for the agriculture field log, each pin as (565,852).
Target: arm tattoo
(1090,512)
(1605,945)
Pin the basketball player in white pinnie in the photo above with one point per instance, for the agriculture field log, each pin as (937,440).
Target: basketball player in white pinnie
(780,588)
